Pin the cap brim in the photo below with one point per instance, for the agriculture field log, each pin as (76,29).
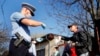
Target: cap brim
(69,26)
(32,14)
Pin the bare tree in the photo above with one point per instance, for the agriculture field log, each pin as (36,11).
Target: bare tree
(3,41)
(79,11)
(66,14)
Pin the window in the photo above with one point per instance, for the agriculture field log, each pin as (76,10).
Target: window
(41,52)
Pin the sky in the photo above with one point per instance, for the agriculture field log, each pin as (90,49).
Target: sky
(10,6)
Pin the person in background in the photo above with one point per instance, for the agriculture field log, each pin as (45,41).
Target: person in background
(79,40)
(20,22)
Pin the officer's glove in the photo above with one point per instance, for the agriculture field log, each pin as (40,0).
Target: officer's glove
(43,25)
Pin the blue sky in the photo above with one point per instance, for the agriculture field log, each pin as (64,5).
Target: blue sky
(41,14)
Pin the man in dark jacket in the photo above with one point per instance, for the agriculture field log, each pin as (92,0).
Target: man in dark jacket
(79,40)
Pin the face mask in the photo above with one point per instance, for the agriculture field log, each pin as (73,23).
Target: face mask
(28,16)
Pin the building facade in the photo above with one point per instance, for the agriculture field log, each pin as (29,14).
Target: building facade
(47,47)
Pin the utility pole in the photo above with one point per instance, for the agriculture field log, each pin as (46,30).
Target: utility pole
(48,45)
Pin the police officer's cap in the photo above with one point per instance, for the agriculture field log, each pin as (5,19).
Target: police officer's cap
(30,7)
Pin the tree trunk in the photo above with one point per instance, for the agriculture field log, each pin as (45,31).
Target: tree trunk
(96,39)
(97,35)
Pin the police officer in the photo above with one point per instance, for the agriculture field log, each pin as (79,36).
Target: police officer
(20,22)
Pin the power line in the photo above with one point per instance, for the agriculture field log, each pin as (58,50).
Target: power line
(2,10)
